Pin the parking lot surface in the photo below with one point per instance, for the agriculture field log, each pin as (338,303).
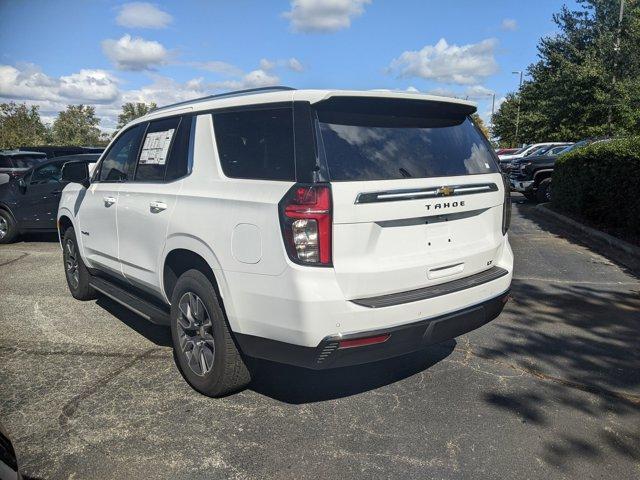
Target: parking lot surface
(550,389)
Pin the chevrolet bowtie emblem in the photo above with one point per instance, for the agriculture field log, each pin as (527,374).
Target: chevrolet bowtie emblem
(446,191)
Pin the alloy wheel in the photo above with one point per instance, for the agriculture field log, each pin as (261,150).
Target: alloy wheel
(71,263)
(4,227)
(195,333)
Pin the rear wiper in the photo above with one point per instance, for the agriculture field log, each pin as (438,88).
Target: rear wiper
(404,173)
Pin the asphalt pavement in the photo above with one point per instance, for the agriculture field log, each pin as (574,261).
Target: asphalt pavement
(550,389)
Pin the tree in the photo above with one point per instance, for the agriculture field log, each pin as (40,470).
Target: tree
(131,111)
(20,126)
(477,119)
(571,87)
(77,125)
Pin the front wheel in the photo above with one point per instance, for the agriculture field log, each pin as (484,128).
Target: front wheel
(74,268)
(8,227)
(543,194)
(202,343)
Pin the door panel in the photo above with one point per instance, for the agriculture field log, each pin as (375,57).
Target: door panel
(39,203)
(98,228)
(144,211)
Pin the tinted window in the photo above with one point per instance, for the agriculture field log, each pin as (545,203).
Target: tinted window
(256,143)
(5,162)
(382,147)
(50,173)
(27,161)
(119,163)
(156,147)
(178,165)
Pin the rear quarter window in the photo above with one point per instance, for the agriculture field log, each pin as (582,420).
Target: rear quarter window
(256,144)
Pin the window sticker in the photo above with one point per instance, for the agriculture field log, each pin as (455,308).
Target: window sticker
(156,147)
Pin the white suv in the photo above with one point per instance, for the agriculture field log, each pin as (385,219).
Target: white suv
(319,228)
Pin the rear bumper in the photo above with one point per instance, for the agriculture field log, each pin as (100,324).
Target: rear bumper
(402,339)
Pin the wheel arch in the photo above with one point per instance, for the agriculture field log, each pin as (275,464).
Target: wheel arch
(541,175)
(184,252)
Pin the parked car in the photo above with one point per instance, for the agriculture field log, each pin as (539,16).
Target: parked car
(320,228)
(531,176)
(30,202)
(507,160)
(506,151)
(9,469)
(16,162)
(53,151)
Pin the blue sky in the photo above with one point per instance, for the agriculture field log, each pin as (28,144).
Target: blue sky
(105,53)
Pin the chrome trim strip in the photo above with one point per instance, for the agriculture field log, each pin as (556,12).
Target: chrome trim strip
(418,193)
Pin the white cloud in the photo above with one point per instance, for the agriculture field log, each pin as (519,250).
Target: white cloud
(135,54)
(86,86)
(442,62)
(222,68)
(509,24)
(477,91)
(295,65)
(292,64)
(323,15)
(142,15)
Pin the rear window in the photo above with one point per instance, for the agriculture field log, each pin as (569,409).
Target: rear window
(256,144)
(384,147)
(27,161)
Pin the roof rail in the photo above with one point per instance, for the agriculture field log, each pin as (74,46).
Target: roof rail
(236,93)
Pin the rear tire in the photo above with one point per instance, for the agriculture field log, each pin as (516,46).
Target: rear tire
(75,270)
(204,349)
(543,194)
(8,227)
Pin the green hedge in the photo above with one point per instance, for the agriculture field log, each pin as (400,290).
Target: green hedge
(601,182)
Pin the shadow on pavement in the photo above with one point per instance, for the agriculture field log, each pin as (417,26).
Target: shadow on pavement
(157,334)
(577,338)
(38,237)
(295,385)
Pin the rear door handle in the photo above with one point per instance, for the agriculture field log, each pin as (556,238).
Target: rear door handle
(157,206)
(108,201)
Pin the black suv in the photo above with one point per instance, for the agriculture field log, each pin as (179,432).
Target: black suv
(29,202)
(531,176)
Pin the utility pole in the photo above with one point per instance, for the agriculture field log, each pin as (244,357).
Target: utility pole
(519,101)
(616,49)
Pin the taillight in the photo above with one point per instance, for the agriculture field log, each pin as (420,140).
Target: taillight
(305,217)
(506,207)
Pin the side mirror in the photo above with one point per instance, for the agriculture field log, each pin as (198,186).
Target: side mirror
(76,172)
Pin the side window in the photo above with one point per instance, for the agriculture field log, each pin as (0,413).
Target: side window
(156,148)
(178,164)
(50,173)
(119,163)
(5,162)
(256,144)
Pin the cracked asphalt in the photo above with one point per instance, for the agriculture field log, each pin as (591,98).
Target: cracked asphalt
(550,389)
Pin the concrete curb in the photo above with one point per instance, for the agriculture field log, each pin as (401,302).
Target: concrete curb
(592,232)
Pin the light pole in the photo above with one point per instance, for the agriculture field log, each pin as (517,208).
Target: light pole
(519,72)
(493,107)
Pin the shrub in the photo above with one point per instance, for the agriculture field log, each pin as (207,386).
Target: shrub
(601,182)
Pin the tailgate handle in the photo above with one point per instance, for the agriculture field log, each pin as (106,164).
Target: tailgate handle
(439,272)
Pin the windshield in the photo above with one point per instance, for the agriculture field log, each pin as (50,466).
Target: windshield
(579,144)
(376,147)
(27,161)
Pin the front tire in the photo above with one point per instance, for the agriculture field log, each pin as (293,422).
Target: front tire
(8,227)
(205,352)
(75,270)
(543,194)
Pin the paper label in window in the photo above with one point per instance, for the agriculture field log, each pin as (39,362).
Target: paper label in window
(156,148)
